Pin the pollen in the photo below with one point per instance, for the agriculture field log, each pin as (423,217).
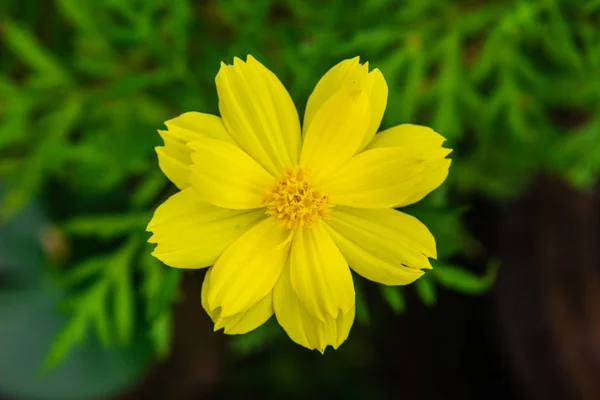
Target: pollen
(294,202)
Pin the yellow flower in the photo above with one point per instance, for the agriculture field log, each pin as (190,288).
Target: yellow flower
(281,214)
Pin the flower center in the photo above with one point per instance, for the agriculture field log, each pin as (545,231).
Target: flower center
(294,202)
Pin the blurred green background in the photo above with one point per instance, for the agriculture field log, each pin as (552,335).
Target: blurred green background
(86,312)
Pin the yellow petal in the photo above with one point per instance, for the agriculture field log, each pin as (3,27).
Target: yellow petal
(427,143)
(174,156)
(320,276)
(336,133)
(240,323)
(190,233)
(408,135)
(350,74)
(259,114)
(301,326)
(385,246)
(383,177)
(249,268)
(225,176)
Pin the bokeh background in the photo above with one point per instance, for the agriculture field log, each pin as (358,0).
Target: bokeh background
(512,308)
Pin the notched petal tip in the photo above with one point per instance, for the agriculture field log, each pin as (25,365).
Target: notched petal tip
(220,322)
(445,151)
(237,61)
(149,228)
(223,69)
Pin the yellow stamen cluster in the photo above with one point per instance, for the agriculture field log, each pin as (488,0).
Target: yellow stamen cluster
(294,202)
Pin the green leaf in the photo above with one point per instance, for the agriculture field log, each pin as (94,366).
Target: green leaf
(13,129)
(394,297)
(60,123)
(362,312)
(160,286)
(107,226)
(447,118)
(464,281)
(168,290)
(123,310)
(123,302)
(426,290)
(102,325)
(27,48)
(148,189)
(79,14)
(257,339)
(71,334)
(83,270)
(99,314)
(160,334)
(592,6)
(375,39)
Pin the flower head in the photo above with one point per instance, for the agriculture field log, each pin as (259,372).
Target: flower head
(281,214)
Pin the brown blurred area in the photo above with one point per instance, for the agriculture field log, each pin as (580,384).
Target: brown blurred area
(549,291)
(536,335)
(194,368)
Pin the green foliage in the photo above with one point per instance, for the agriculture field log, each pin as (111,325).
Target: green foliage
(31,321)
(426,290)
(394,297)
(464,281)
(513,85)
(257,339)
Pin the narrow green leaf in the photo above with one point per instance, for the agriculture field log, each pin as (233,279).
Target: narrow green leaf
(123,309)
(257,339)
(446,118)
(160,334)
(426,290)
(23,43)
(375,39)
(592,6)
(79,14)
(71,334)
(410,96)
(464,281)
(83,270)
(168,289)
(394,297)
(148,189)
(107,226)
(99,314)
(29,183)
(362,312)
(61,121)
(123,301)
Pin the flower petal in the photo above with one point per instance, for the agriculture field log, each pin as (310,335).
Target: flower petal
(385,246)
(408,135)
(223,175)
(336,133)
(301,326)
(174,156)
(354,76)
(249,268)
(386,177)
(190,233)
(242,322)
(424,140)
(259,114)
(320,276)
